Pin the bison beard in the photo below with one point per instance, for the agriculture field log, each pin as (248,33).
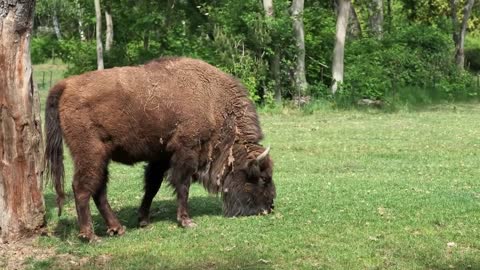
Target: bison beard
(187,119)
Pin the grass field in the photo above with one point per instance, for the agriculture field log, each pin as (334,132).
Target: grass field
(355,190)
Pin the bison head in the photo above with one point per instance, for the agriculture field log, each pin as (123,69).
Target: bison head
(249,190)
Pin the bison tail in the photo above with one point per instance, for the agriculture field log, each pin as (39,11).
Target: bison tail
(54,145)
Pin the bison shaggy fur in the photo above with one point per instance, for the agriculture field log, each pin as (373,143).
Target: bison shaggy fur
(187,119)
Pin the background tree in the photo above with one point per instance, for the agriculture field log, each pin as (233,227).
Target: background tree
(300,76)
(354,29)
(79,16)
(376,18)
(21,200)
(275,58)
(460,33)
(98,31)
(339,51)
(109,25)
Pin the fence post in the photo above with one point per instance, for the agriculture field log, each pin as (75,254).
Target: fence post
(43,79)
(51,78)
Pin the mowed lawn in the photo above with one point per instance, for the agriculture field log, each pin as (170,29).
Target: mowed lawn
(355,190)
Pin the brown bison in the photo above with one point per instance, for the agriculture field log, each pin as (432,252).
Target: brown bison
(180,115)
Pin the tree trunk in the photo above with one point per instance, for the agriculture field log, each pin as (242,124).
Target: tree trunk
(56,25)
(375,19)
(275,58)
(22,207)
(460,54)
(98,17)
(109,34)
(453,8)
(300,76)
(80,21)
(354,28)
(146,40)
(339,50)
(389,16)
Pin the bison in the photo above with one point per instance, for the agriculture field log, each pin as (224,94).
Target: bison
(187,119)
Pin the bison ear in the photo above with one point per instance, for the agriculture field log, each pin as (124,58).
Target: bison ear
(253,169)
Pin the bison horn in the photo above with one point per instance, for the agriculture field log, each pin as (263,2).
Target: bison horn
(263,155)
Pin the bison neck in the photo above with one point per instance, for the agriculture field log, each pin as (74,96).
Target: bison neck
(229,150)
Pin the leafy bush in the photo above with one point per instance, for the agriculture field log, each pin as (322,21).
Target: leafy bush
(412,64)
(472,53)
(43,48)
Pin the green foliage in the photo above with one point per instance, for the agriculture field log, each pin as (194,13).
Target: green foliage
(415,54)
(411,58)
(43,48)
(472,53)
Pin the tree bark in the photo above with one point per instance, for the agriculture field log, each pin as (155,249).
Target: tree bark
(354,28)
(22,207)
(389,19)
(275,58)
(453,9)
(460,46)
(56,25)
(339,50)
(109,33)
(146,40)
(80,21)
(98,17)
(376,18)
(301,84)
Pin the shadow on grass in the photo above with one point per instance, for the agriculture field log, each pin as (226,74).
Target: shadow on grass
(161,210)
(467,263)
(242,259)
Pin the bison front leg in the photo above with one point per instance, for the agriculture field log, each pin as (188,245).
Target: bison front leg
(182,205)
(184,164)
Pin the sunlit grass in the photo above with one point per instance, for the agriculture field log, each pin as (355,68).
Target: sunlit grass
(356,190)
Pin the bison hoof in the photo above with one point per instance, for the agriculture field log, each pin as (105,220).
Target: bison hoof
(143,223)
(188,223)
(89,237)
(119,230)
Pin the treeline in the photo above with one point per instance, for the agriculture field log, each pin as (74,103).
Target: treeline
(347,50)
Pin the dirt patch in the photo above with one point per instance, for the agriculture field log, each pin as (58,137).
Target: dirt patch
(14,255)
(21,255)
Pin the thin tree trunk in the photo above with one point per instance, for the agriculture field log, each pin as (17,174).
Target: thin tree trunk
(56,25)
(80,21)
(339,50)
(354,28)
(109,33)
(460,54)
(22,207)
(98,17)
(376,18)
(146,40)
(301,84)
(275,58)
(389,15)
(453,8)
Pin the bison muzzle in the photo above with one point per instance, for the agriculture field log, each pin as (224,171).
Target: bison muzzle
(188,120)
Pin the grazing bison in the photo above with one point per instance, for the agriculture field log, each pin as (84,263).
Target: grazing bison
(180,115)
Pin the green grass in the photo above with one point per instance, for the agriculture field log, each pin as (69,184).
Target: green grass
(356,190)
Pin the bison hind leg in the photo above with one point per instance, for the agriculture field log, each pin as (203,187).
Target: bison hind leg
(114,227)
(154,174)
